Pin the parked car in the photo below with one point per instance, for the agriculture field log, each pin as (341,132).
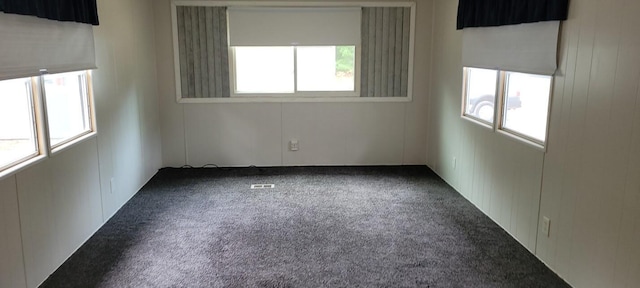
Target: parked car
(482,106)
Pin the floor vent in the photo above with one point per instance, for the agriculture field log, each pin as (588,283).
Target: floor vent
(262,186)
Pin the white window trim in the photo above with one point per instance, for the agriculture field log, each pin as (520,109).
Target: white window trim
(498,120)
(41,122)
(320,96)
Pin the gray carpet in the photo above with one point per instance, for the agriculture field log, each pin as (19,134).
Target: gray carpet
(319,227)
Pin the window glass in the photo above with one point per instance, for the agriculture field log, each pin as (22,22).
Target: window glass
(527,104)
(480,93)
(67,106)
(17,125)
(326,68)
(264,69)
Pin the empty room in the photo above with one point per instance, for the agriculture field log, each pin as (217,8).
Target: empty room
(302,143)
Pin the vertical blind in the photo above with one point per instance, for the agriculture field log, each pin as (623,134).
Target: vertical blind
(385,51)
(30,44)
(203,51)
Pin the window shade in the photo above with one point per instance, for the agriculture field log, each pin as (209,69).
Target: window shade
(283,26)
(528,48)
(30,44)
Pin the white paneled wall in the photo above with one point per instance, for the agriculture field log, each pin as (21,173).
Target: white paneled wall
(258,133)
(11,262)
(588,181)
(60,207)
(591,175)
(233,134)
(344,133)
(49,209)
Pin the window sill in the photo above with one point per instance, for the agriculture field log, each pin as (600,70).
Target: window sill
(73,142)
(533,144)
(295,100)
(508,134)
(21,166)
(39,158)
(478,122)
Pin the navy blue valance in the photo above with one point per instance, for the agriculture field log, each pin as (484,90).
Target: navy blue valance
(81,11)
(487,13)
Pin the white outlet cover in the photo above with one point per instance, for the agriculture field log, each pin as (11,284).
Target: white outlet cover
(546,225)
(293,145)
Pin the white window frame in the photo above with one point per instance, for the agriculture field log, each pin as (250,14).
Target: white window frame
(233,84)
(88,90)
(499,111)
(33,115)
(319,96)
(496,100)
(41,125)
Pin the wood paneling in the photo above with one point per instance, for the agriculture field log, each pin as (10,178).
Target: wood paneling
(590,186)
(49,209)
(60,207)
(343,133)
(11,263)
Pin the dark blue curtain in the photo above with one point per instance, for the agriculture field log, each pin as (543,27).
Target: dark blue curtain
(82,11)
(486,13)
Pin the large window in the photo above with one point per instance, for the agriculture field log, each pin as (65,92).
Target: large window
(276,49)
(523,100)
(23,124)
(294,70)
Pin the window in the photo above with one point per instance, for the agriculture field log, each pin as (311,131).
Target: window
(277,49)
(326,68)
(68,107)
(523,100)
(294,51)
(18,137)
(40,46)
(294,70)
(68,111)
(480,94)
(526,106)
(264,70)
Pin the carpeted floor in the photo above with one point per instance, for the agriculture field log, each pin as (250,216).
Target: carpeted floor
(319,227)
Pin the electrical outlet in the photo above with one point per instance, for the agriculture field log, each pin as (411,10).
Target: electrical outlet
(294,145)
(546,225)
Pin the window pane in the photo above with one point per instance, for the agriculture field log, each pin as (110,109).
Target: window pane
(326,68)
(481,93)
(264,69)
(67,105)
(17,129)
(527,104)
